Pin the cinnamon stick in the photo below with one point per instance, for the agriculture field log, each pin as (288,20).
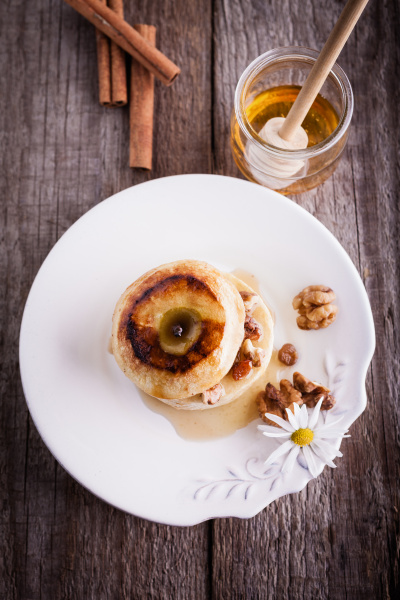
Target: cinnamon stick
(141,107)
(127,38)
(103,67)
(119,92)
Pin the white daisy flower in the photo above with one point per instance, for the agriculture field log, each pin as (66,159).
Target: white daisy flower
(301,433)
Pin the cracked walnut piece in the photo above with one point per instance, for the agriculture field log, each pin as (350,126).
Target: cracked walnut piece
(214,394)
(312,392)
(303,391)
(250,301)
(275,401)
(315,308)
(248,355)
(250,352)
(252,330)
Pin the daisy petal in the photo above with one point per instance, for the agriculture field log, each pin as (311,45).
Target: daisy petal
(322,456)
(270,429)
(330,434)
(313,420)
(290,459)
(308,455)
(296,410)
(304,417)
(292,419)
(279,451)
(286,434)
(279,421)
(328,450)
(329,425)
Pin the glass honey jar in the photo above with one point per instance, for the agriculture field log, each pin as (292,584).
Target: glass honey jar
(267,89)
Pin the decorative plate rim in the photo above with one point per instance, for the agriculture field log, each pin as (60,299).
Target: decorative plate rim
(183,182)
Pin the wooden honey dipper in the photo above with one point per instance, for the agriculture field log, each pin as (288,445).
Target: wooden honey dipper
(287,133)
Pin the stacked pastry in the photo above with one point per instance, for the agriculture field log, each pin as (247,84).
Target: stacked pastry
(192,336)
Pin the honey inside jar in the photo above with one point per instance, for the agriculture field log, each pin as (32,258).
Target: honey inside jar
(267,89)
(179,330)
(320,122)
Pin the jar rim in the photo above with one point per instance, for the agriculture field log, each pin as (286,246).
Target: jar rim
(287,53)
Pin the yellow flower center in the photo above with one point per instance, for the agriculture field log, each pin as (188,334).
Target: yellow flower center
(302,437)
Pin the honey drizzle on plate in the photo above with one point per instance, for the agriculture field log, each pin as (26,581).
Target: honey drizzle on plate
(218,422)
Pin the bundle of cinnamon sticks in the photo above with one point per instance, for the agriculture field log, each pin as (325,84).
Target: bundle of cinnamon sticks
(114,37)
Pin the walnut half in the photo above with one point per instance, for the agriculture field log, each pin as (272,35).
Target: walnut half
(315,308)
(303,391)
(276,401)
(312,392)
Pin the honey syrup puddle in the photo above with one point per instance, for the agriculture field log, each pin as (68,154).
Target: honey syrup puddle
(248,278)
(252,281)
(222,421)
(219,422)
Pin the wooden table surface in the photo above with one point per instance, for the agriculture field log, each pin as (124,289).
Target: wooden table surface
(61,155)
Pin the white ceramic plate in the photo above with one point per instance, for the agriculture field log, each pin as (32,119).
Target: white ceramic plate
(92,417)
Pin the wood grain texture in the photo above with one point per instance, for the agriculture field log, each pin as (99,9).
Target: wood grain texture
(323,65)
(328,541)
(61,154)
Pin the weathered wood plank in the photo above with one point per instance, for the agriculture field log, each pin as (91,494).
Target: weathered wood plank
(63,154)
(327,541)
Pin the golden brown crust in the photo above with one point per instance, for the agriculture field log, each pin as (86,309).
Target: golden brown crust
(136,322)
(144,338)
(234,389)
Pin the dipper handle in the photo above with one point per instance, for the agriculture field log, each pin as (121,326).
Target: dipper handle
(324,63)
